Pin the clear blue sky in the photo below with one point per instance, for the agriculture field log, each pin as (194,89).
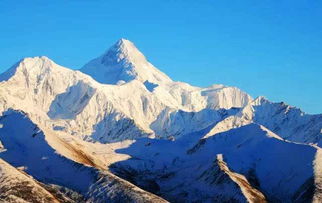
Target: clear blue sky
(265,47)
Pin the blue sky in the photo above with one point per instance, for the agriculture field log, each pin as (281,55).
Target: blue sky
(267,47)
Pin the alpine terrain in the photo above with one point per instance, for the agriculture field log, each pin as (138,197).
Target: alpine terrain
(120,130)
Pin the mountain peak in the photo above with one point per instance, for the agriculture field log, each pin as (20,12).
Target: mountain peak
(123,62)
(124,42)
(123,45)
(125,50)
(28,64)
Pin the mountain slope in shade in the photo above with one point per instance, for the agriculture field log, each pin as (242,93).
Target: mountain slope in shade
(262,161)
(250,193)
(27,148)
(257,153)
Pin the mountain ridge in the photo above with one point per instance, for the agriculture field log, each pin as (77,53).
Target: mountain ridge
(40,75)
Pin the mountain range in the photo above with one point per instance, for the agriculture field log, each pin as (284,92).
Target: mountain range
(120,130)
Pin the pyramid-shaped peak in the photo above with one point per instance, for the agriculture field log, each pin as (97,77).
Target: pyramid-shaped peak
(123,49)
(123,62)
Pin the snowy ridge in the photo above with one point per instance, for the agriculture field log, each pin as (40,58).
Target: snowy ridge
(288,122)
(251,194)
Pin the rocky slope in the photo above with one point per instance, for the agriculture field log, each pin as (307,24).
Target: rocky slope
(16,186)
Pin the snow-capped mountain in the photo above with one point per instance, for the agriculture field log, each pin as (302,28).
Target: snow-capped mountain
(75,103)
(122,63)
(66,132)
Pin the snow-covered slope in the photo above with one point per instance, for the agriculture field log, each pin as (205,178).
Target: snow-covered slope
(289,122)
